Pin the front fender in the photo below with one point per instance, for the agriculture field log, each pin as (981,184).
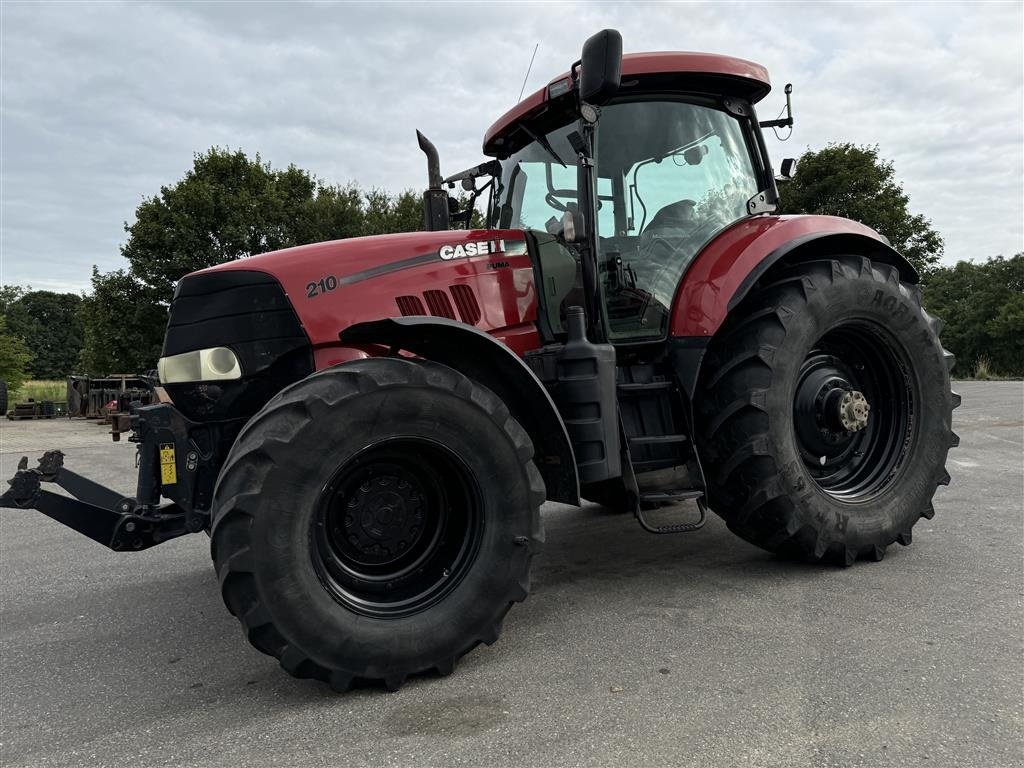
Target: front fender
(727,267)
(486,360)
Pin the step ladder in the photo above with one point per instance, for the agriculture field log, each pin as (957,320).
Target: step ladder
(671,497)
(661,498)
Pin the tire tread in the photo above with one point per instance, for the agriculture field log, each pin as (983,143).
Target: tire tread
(255,454)
(733,422)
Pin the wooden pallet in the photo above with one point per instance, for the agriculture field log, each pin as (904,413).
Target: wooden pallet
(32,410)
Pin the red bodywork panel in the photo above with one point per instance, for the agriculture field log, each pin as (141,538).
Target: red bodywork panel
(702,299)
(494,292)
(639,64)
(391,275)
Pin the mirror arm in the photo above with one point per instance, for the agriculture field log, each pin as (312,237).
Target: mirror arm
(787,121)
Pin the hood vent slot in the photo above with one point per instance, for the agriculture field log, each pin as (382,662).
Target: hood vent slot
(439,305)
(465,302)
(410,305)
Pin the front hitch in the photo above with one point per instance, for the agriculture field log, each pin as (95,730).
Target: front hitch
(177,459)
(100,513)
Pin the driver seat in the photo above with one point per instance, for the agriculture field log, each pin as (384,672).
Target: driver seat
(664,246)
(674,220)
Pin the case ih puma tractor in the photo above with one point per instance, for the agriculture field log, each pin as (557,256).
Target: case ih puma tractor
(368,428)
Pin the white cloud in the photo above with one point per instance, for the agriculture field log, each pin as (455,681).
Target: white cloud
(103,103)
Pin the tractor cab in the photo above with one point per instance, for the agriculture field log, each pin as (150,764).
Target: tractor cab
(673,155)
(671,172)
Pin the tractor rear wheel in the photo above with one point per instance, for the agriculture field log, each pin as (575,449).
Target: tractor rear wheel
(377,520)
(825,412)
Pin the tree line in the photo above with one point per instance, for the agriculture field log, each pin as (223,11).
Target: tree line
(981,303)
(230,206)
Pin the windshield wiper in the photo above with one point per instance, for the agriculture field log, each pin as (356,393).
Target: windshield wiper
(543,142)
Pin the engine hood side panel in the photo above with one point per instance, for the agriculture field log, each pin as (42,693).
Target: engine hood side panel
(483,278)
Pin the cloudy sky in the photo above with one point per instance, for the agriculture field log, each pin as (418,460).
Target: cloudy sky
(103,103)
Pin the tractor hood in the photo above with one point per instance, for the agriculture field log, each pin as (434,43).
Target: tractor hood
(480,277)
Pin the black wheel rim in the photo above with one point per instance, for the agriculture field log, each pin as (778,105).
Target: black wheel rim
(396,528)
(854,411)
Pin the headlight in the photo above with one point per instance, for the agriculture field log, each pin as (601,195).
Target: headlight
(214,364)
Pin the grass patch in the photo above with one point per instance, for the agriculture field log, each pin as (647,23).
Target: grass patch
(983,369)
(40,390)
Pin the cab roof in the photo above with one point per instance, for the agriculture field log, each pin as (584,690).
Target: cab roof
(678,70)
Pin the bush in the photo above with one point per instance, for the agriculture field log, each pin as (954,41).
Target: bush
(14,358)
(982,306)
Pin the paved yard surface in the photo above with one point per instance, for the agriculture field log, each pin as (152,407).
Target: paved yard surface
(632,650)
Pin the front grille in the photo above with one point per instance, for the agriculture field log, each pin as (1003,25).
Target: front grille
(237,309)
(249,313)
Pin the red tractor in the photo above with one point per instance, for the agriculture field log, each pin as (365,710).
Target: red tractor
(368,428)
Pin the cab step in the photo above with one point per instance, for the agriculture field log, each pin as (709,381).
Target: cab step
(648,386)
(657,440)
(671,497)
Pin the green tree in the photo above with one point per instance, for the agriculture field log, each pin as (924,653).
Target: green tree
(123,322)
(229,207)
(385,213)
(8,295)
(49,324)
(854,182)
(982,305)
(14,358)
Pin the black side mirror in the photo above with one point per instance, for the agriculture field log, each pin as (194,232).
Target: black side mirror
(788,168)
(601,67)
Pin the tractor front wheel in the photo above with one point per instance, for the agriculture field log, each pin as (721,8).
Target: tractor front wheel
(377,520)
(825,412)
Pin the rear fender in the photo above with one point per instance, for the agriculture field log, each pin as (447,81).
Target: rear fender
(486,360)
(729,266)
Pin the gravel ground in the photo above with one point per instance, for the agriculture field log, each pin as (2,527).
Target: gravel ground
(632,650)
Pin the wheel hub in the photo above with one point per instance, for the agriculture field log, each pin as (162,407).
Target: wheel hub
(384,517)
(853,411)
(396,527)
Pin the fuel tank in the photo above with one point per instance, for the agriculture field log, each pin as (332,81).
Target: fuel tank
(483,278)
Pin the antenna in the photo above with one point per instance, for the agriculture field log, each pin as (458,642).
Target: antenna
(523,89)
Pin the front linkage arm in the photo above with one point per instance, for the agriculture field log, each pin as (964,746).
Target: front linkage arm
(97,512)
(175,460)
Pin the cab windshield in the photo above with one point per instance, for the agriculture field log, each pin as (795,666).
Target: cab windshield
(671,174)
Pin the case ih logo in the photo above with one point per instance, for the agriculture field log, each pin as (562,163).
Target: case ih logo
(474,248)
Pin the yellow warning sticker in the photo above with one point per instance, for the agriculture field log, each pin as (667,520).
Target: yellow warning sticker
(168,466)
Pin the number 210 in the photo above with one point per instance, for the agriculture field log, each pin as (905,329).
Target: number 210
(321,286)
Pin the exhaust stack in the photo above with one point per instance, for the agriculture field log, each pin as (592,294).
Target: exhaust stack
(435,199)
